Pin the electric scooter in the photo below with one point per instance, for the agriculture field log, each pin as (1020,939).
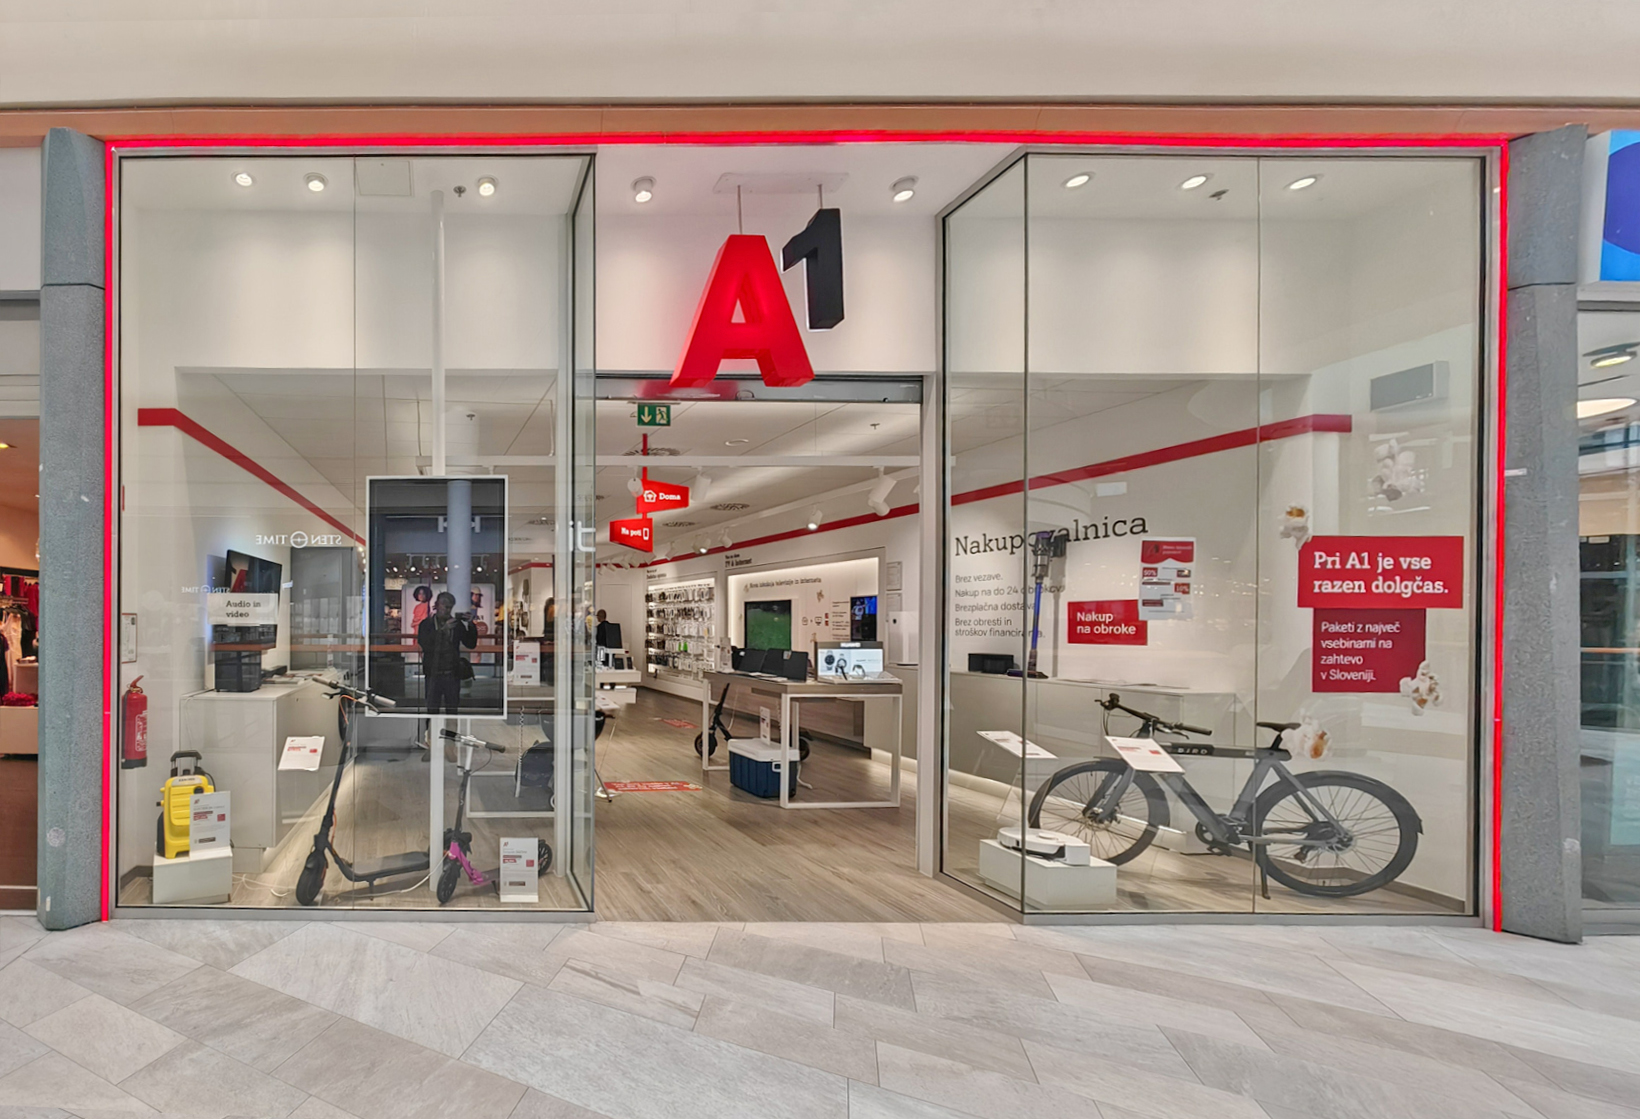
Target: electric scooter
(406,863)
(458,844)
(1046,546)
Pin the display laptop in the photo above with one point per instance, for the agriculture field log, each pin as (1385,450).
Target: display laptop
(851,660)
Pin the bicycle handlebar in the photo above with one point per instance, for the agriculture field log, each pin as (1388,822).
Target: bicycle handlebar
(469,740)
(1114,703)
(359,695)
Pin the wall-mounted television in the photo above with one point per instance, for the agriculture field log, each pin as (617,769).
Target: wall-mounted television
(768,624)
(248,574)
(862,617)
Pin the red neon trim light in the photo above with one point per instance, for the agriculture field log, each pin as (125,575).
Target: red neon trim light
(173,417)
(593,139)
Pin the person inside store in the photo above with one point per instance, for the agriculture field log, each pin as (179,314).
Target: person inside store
(441,637)
(549,632)
(600,633)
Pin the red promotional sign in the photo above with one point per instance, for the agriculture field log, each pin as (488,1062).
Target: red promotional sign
(744,275)
(1160,549)
(1114,622)
(1365,650)
(1381,572)
(657,497)
(634,532)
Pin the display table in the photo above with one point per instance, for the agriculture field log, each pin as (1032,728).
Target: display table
(1049,884)
(791,693)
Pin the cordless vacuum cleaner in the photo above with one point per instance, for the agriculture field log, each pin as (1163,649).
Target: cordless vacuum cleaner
(1047,546)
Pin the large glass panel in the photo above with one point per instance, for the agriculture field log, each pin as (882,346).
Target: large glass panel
(1370,344)
(1608,468)
(986,564)
(296,333)
(1142,410)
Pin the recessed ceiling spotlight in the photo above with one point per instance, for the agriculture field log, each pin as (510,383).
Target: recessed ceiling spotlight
(1612,359)
(1081,178)
(243,178)
(736,442)
(643,189)
(1194,181)
(5,446)
(1607,356)
(904,189)
(1303,183)
(1589,409)
(315,181)
(486,187)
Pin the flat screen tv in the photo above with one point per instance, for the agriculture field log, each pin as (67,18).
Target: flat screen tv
(768,624)
(252,574)
(862,617)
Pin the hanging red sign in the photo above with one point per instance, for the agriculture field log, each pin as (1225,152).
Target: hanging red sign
(1114,622)
(657,497)
(634,532)
(744,275)
(1381,572)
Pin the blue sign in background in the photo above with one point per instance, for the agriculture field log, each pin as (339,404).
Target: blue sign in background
(1620,236)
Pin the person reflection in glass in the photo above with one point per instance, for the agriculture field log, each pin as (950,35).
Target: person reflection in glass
(441,637)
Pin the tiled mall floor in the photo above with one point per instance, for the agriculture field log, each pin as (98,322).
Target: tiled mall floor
(399,1021)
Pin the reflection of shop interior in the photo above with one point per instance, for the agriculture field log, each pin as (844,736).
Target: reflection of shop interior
(19,712)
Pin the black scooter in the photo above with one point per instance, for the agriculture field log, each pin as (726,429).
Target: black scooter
(719,731)
(312,879)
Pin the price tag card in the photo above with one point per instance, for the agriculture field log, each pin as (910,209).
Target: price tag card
(520,876)
(1015,745)
(302,752)
(208,824)
(1146,754)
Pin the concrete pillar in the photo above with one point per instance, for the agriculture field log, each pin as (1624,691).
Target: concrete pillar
(1541,857)
(72,607)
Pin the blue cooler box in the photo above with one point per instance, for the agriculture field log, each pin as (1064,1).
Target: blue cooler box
(754,765)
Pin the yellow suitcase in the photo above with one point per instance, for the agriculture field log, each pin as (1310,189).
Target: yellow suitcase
(175,805)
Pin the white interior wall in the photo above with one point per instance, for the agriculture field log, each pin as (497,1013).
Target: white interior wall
(19,219)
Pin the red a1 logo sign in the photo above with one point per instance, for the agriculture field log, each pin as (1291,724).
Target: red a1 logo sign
(744,275)
(634,532)
(656,497)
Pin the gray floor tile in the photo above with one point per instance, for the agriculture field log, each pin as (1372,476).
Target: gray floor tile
(34,1113)
(983,1049)
(867,1101)
(960,1087)
(796,1039)
(28,992)
(515,951)
(249,1022)
(1552,1103)
(862,940)
(978,969)
(55,1081)
(978,945)
(111,963)
(315,1108)
(539,1105)
(18,1048)
(687,938)
(1123,1004)
(221,944)
(195,1080)
(1619,1086)
(1071,1027)
(796,999)
(105,1037)
(1113,1083)
(616,956)
(632,1068)
(644,997)
(423,936)
(815,967)
(375,1075)
(17,935)
(432,1001)
(1174,984)
(1319,1090)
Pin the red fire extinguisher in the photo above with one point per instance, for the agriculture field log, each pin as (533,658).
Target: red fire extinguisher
(134,728)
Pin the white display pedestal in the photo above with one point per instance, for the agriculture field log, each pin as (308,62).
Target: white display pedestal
(1049,884)
(202,879)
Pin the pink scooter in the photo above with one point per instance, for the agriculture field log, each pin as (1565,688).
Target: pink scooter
(458,844)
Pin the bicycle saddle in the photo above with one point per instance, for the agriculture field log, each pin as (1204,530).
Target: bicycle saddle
(1279,726)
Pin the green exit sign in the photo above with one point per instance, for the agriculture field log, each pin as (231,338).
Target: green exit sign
(654,415)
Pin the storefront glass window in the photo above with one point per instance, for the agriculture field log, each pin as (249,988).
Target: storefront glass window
(1243,492)
(343,426)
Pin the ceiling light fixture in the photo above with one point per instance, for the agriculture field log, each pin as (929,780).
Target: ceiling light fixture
(5,446)
(315,181)
(1589,409)
(1194,181)
(643,189)
(1081,178)
(243,178)
(1607,356)
(1304,183)
(904,189)
(701,486)
(736,442)
(815,517)
(878,500)
(486,187)
(1609,360)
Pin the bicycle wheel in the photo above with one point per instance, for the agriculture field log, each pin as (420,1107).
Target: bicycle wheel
(1062,804)
(448,876)
(1373,842)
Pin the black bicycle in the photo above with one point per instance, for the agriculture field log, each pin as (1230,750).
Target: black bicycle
(1326,833)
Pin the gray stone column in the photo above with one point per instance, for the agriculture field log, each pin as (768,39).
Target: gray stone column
(1541,855)
(72,607)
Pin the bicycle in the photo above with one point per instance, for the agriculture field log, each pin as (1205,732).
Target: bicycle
(1326,833)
